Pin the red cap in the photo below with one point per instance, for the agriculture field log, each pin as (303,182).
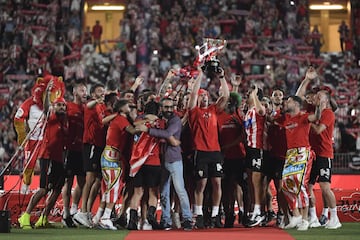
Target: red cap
(59,100)
(202,91)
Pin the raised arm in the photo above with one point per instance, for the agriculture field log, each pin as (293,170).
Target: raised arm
(222,100)
(195,90)
(310,75)
(138,81)
(259,108)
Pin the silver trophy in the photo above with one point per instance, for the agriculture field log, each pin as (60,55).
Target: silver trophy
(207,54)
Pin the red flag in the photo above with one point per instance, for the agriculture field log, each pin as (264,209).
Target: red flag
(141,151)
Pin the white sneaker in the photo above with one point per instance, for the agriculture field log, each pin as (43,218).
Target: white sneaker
(334,223)
(25,189)
(314,222)
(95,220)
(176,220)
(146,225)
(303,226)
(83,219)
(107,224)
(294,222)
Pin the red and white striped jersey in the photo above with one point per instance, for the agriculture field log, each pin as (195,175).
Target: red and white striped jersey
(254,126)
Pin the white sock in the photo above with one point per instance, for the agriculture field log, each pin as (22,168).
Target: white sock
(198,210)
(312,212)
(107,213)
(99,212)
(215,211)
(325,211)
(333,213)
(256,210)
(73,208)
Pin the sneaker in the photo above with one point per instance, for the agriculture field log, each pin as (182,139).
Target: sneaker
(83,219)
(165,226)
(271,215)
(323,220)
(68,222)
(42,222)
(264,222)
(294,222)
(303,226)
(146,225)
(334,223)
(229,221)
(314,222)
(121,221)
(187,225)
(107,224)
(24,221)
(96,220)
(280,220)
(176,220)
(255,220)
(199,224)
(216,222)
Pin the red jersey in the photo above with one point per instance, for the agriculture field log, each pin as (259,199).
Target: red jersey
(75,114)
(230,130)
(323,143)
(97,31)
(117,136)
(54,141)
(277,138)
(254,126)
(297,130)
(203,124)
(94,132)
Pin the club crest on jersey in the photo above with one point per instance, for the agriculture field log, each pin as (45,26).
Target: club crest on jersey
(206,115)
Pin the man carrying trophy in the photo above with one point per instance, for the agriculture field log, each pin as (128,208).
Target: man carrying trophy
(203,124)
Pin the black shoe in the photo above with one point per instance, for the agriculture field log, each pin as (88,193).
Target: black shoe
(152,219)
(271,215)
(229,221)
(133,220)
(216,222)
(265,220)
(121,221)
(187,225)
(68,222)
(199,224)
(279,218)
(165,226)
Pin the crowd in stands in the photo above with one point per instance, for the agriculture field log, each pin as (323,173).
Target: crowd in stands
(268,43)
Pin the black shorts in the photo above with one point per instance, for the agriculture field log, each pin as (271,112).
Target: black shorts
(272,166)
(234,169)
(254,159)
(321,170)
(208,164)
(91,157)
(52,174)
(74,164)
(148,176)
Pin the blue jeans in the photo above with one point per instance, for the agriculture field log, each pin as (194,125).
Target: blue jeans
(176,176)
